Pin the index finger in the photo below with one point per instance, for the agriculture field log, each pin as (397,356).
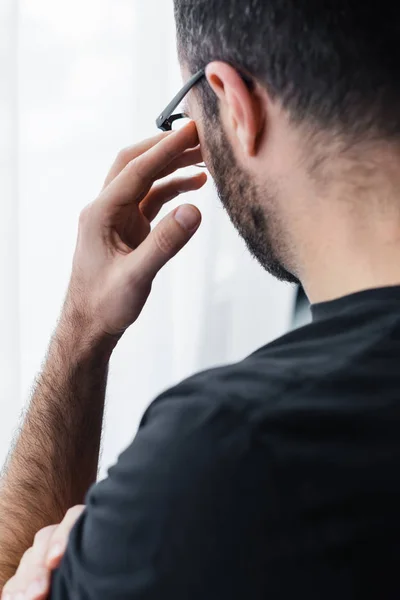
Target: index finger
(136,179)
(129,153)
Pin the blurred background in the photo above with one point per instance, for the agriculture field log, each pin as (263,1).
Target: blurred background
(80,79)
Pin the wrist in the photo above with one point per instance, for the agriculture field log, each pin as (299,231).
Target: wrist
(77,331)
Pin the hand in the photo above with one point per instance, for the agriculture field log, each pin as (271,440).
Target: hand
(32,579)
(117,257)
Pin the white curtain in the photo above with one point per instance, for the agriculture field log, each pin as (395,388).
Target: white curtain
(81,79)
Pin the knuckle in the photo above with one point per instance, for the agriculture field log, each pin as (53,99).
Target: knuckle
(164,241)
(74,512)
(43,535)
(124,155)
(27,556)
(84,216)
(39,536)
(49,529)
(138,168)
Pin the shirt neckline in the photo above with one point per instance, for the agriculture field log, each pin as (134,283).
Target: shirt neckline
(371,298)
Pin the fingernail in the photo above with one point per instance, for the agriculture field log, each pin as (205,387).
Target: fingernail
(188,217)
(55,552)
(19,596)
(36,588)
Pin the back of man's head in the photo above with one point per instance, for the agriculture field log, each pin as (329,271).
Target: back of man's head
(304,150)
(334,63)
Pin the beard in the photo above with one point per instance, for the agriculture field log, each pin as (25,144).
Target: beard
(251,209)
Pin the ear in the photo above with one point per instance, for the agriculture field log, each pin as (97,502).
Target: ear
(243,109)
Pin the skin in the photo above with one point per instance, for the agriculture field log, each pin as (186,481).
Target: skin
(330,218)
(55,457)
(331,210)
(32,578)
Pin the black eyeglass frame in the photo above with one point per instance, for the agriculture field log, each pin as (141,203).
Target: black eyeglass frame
(166,118)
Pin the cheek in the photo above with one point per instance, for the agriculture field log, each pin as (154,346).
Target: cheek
(199,125)
(203,145)
(203,137)
(197,116)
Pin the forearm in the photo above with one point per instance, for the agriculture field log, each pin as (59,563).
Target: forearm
(116,259)
(55,458)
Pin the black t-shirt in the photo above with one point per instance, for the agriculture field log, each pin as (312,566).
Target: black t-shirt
(277,477)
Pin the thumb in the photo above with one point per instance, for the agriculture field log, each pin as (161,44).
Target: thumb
(165,241)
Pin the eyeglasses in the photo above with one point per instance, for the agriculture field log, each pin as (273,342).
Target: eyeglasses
(167,121)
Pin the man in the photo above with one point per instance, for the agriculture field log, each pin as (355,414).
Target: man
(276,477)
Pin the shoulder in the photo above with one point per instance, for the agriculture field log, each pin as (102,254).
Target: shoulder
(236,390)
(218,394)
(193,446)
(198,418)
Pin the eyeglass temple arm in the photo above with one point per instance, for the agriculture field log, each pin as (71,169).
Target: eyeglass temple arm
(168,110)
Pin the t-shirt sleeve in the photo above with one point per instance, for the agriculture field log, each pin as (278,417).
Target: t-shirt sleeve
(177,514)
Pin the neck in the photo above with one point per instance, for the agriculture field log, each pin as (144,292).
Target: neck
(352,236)
(345,260)
(352,252)
(342,202)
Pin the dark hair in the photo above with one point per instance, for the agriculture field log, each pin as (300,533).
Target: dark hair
(332,63)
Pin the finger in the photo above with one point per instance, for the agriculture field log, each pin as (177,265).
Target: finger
(129,153)
(36,555)
(187,159)
(133,183)
(31,573)
(170,236)
(163,192)
(33,586)
(10,589)
(38,586)
(126,155)
(59,540)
